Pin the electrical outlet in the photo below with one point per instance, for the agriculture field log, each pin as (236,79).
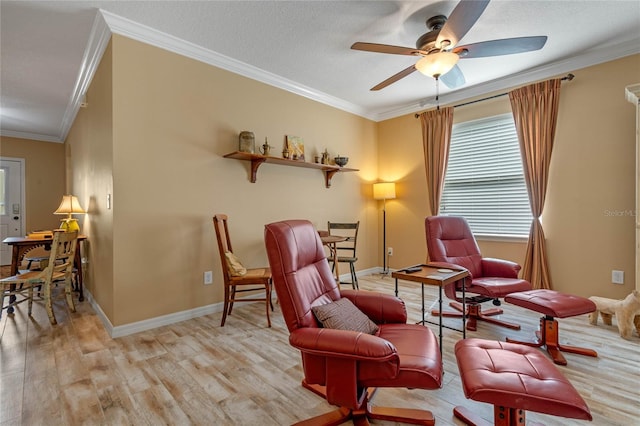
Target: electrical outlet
(390,251)
(617,277)
(208,277)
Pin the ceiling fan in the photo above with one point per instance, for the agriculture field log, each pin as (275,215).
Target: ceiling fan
(439,50)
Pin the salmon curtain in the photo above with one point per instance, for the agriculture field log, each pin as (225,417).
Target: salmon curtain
(535,112)
(436,138)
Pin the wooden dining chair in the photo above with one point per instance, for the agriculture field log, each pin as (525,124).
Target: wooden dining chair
(237,279)
(58,269)
(37,258)
(346,250)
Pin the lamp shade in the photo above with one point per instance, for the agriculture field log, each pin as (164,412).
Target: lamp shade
(384,191)
(437,64)
(69,205)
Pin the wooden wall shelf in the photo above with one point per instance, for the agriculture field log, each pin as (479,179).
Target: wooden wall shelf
(257,159)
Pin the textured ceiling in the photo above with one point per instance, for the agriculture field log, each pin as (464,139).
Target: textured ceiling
(49,49)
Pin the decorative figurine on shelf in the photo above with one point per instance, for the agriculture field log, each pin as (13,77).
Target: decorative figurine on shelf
(266,148)
(325,157)
(247,142)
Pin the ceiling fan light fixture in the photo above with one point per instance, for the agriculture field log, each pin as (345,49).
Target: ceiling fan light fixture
(437,64)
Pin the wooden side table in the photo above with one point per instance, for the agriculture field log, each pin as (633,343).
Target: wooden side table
(434,275)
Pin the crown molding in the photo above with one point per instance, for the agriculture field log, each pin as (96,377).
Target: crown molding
(98,41)
(133,30)
(632,93)
(32,136)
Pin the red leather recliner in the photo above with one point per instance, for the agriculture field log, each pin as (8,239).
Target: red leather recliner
(345,366)
(450,242)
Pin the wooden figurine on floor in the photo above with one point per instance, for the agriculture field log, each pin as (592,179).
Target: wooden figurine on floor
(627,312)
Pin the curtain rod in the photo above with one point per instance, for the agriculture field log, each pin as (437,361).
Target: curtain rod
(568,77)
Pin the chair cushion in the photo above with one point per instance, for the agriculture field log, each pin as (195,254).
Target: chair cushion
(344,315)
(234,265)
(420,361)
(552,303)
(497,287)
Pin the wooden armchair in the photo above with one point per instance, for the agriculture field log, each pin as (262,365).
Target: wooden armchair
(252,280)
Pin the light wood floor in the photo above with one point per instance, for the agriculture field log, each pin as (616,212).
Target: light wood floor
(196,372)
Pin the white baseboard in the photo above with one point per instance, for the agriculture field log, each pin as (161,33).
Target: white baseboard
(347,277)
(148,324)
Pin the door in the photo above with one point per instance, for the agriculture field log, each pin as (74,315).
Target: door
(11,203)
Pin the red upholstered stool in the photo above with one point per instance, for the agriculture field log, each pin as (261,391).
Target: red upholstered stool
(514,378)
(553,304)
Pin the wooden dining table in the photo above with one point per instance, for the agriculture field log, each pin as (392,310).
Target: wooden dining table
(331,241)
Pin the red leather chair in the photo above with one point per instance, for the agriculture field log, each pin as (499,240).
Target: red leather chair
(343,366)
(450,242)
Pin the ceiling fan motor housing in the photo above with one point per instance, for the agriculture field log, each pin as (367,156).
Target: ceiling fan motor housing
(427,41)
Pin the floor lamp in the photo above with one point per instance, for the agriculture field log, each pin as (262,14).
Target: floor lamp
(384,191)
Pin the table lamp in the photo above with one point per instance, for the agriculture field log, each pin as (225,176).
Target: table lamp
(384,191)
(69,205)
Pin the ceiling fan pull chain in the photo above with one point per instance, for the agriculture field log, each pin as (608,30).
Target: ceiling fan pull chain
(437,93)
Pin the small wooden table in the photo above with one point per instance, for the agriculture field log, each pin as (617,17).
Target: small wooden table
(330,241)
(21,245)
(434,275)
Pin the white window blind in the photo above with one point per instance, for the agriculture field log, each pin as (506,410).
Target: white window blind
(485,181)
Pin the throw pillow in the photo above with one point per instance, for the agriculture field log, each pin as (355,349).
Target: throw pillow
(344,315)
(234,265)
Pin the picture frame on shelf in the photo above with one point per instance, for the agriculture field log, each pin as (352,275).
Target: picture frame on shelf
(295,145)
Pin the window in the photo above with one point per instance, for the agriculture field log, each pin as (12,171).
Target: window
(485,181)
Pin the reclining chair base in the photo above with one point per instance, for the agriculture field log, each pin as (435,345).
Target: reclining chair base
(475,314)
(362,416)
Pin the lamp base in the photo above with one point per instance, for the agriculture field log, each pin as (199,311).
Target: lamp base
(70,225)
(384,273)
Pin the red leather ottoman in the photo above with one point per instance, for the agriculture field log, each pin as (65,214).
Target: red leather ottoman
(552,304)
(514,378)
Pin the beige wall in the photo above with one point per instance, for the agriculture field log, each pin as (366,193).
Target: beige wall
(173,119)
(592,179)
(90,164)
(44,179)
